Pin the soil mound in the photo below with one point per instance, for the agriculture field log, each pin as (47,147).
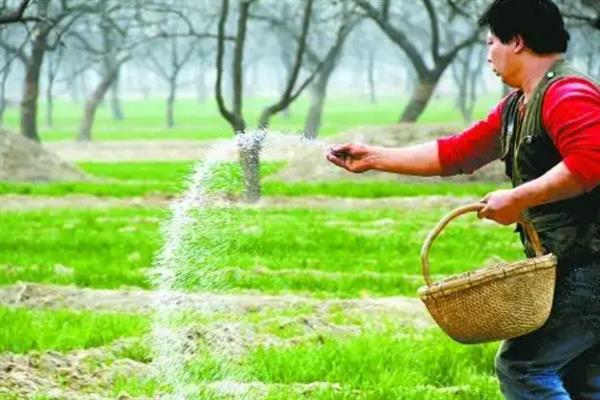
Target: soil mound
(312,166)
(22,159)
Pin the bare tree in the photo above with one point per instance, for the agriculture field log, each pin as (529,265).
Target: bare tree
(169,66)
(586,11)
(371,52)
(466,71)
(52,66)
(326,61)
(50,22)
(3,79)
(441,53)
(115,100)
(3,101)
(286,52)
(111,46)
(201,80)
(250,153)
(312,123)
(17,15)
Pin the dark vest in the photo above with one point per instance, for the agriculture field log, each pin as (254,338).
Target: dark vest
(570,228)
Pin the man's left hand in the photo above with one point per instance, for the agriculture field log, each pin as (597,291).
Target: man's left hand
(502,206)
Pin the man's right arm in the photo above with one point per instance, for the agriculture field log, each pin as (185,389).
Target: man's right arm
(421,160)
(461,153)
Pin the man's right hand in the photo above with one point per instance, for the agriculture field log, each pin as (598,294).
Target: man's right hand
(352,157)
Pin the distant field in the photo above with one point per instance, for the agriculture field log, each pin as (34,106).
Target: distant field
(145,119)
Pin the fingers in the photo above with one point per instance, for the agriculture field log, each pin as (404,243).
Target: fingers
(340,154)
(486,211)
(338,160)
(346,148)
(349,156)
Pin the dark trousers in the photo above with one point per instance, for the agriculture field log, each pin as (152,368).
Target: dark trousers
(561,360)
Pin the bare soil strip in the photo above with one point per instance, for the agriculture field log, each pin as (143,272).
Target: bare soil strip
(77,375)
(15,202)
(130,150)
(49,296)
(156,150)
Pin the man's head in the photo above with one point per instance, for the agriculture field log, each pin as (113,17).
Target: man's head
(522,27)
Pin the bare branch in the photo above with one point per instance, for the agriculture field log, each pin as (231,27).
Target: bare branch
(191,31)
(435,34)
(238,57)
(448,57)
(397,36)
(219,63)
(458,9)
(158,67)
(286,98)
(18,15)
(187,55)
(16,51)
(385,9)
(85,43)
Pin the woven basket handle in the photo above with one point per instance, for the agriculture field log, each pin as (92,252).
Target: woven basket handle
(529,231)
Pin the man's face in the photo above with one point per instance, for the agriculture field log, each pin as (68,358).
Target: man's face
(502,58)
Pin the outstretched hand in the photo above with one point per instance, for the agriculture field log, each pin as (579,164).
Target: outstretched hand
(352,157)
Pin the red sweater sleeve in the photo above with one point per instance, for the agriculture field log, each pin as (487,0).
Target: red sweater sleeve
(476,146)
(571,115)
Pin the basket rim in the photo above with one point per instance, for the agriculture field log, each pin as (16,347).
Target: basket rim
(481,276)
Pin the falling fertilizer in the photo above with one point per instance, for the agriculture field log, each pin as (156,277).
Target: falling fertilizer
(193,240)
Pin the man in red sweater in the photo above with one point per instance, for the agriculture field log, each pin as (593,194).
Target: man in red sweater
(547,131)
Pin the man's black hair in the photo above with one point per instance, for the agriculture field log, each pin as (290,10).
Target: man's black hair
(539,22)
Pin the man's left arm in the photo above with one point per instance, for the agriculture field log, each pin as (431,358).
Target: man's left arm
(506,206)
(572,118)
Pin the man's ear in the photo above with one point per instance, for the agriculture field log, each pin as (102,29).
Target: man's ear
(518,44)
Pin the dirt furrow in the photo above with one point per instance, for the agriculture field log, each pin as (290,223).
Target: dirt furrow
(15,202)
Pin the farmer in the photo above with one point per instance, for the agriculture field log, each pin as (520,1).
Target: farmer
(547,132)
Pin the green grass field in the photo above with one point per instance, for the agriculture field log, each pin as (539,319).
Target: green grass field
(145,119)
(62,330)
(315,348)
(341,253)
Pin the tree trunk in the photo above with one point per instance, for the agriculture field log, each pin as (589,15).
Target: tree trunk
(420,97)
(371,76)
(250,162)
(319,92)
(49,105)
(145,90)
(31,89)
(3,93)
(49,98)
(201,98)
(91,105)
(74,90)
(315,112)
(115,101)
(170,103)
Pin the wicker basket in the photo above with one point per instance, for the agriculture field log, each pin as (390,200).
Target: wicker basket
(495,302)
